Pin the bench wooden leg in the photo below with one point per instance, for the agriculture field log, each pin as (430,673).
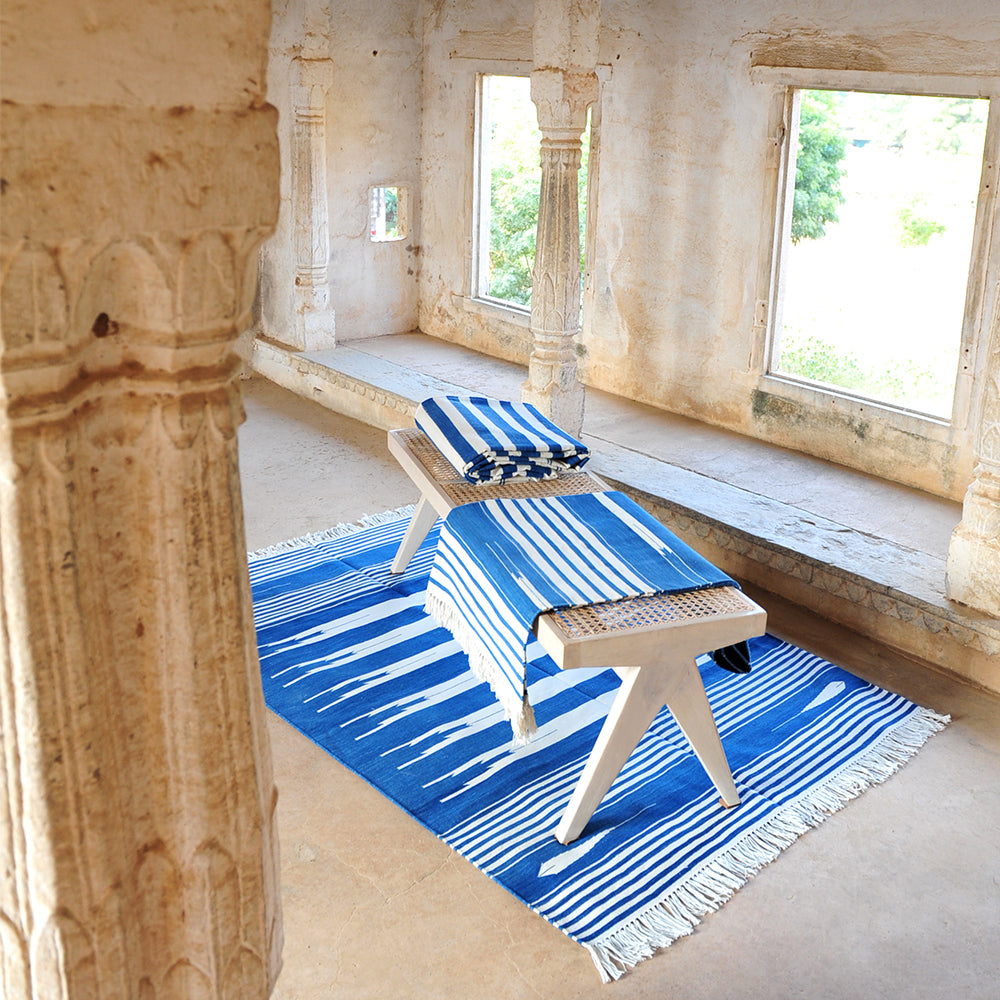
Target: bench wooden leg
(690,708)
(420,524)
(634,708)
(644,691)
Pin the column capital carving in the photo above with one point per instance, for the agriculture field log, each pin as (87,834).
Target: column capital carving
(134,761)
(562,98)
(311,78)
(128,316)
(313,69)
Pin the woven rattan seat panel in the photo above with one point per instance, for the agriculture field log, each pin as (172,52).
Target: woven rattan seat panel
(461,491)
(645,612)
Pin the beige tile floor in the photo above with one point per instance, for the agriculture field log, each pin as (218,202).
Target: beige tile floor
(897,896)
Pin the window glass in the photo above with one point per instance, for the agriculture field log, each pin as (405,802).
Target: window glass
(876,244)
(509,183)
(387,213)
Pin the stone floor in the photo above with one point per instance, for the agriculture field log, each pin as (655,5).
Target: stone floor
(897,896)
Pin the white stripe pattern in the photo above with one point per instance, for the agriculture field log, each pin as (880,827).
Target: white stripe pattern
(350,659)
(493,440)
(501,563)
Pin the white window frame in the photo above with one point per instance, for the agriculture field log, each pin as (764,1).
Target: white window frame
(480,269)
(984,267)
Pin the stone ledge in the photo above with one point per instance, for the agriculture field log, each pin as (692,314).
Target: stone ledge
(346,381)
(881,588)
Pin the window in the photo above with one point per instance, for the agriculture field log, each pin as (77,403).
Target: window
(388,211)
(508,183)
(877,229)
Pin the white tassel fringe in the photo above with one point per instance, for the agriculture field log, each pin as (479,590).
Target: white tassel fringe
(678,913)
(337,531)
(516,710)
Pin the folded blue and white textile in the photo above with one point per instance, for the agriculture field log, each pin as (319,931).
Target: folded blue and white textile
(501,563)
(493,440)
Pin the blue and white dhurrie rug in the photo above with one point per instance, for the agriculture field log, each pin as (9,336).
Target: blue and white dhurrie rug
(350,658)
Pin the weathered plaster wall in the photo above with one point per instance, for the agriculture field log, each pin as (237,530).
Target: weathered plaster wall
(373,131)
(458,44)
(372,138)
(682,200)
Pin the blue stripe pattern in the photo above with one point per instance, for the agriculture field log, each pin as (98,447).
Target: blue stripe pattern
(349,657)
(493,440)
(501,563)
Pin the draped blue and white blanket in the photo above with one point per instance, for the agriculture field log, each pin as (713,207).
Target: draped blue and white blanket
(349,658)
(502,563)
(493,440)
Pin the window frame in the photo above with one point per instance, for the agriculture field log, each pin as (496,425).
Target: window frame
(480,267)
(984,265)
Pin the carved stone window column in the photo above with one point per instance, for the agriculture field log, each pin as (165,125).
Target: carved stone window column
(974,555)
(312,318)
(138,853)
(562,98)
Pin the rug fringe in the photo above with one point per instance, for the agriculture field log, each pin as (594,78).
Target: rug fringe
(678,913)
(337,531)
(517,711)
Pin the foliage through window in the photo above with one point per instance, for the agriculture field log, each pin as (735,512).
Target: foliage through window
(387,213)
(510,181)
(875,255)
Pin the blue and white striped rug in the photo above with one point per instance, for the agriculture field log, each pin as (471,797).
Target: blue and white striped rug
(349,658)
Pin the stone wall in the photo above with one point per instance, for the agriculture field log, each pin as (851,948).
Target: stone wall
(683,202)
(685,165)
(366,59)
(494,38)
(138,854)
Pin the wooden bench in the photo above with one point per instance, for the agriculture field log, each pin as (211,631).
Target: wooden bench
(651,642)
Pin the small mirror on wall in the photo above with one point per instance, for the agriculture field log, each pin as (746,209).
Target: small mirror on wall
(388,210)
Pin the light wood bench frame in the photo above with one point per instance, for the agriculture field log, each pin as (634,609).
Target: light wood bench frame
(651,642)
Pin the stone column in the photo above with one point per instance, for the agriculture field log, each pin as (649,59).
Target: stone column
(973,575)
(313,319)
(563,86)
(138,855)
(562,100)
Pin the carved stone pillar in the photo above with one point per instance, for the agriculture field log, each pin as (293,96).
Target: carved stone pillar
(974,554)
(562,100)
(563,86)
(138,856)
(313,319)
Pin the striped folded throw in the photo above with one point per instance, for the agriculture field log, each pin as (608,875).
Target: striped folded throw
(493,440)
(499,564)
